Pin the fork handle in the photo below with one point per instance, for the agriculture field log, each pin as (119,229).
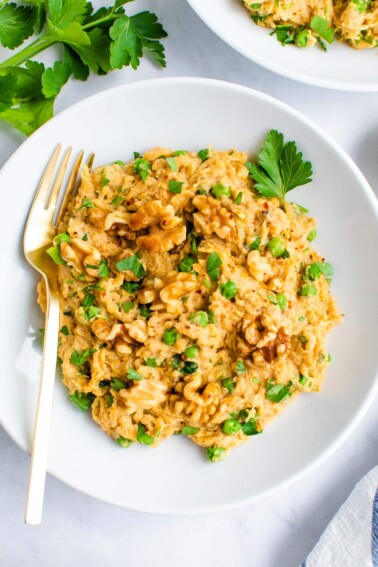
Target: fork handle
(39,452)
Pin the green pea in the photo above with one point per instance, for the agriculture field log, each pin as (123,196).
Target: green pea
(307,289)
(124,442)
(231,426)
(276,247)
(170,336)
(192,351)
(215,454)
(228,384)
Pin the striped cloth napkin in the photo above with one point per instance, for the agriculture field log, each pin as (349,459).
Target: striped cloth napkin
(351,538)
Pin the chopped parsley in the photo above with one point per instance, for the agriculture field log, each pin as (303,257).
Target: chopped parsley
(322,27)
(86,204)
(117,384)
(54,253)
(172,163)
(79,357)
(204,154)
(132,263)
(250,427)
(186,264)
(143,437)
(189,367)
(128,306)
(219,191)
(130,287)
(151,362)
(142,167)
(144,311)
(303,380)
(277,392)
(361,5)
(228,289)
(133,375)
(187,430)
(81,400)
(213,265)
(238,198)
(175,186)
(255,243)
(117,200)
(103,270)
(228,384)
(88,300)
(240,367)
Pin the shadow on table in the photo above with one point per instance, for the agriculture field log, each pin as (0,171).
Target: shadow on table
(367,157)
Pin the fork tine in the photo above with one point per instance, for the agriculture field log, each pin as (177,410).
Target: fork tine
(46,178)
(90,161)
(51,203)
(70,188)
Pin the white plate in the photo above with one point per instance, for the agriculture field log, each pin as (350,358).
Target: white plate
(176,477)
(341,67)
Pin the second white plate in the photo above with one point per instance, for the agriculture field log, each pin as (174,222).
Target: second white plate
(341,67)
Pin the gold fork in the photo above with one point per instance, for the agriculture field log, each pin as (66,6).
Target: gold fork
(39,232)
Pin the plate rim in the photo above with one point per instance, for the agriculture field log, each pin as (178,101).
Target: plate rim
(276,68)
(373,202)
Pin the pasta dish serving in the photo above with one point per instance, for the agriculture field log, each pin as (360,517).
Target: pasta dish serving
(192,299)
(307,22)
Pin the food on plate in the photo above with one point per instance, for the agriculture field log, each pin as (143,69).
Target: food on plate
(192,299)
(305,23)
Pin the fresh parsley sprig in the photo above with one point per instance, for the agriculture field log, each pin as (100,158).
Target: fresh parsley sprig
(280,167)
(95,42)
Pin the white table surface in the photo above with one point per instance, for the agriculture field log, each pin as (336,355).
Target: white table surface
(276,532)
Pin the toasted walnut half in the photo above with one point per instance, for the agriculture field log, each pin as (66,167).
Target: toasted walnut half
(152,214)
(167,229)
(180,284)
(212,217)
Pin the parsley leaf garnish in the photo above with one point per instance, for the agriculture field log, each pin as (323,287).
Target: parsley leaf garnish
(97,41)
(16,24)
(280,167)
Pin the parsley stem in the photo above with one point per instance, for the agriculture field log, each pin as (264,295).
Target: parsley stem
(28,52)
(101,21)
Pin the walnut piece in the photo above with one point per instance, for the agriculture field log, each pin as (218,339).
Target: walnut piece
(166,229)
(212,217)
